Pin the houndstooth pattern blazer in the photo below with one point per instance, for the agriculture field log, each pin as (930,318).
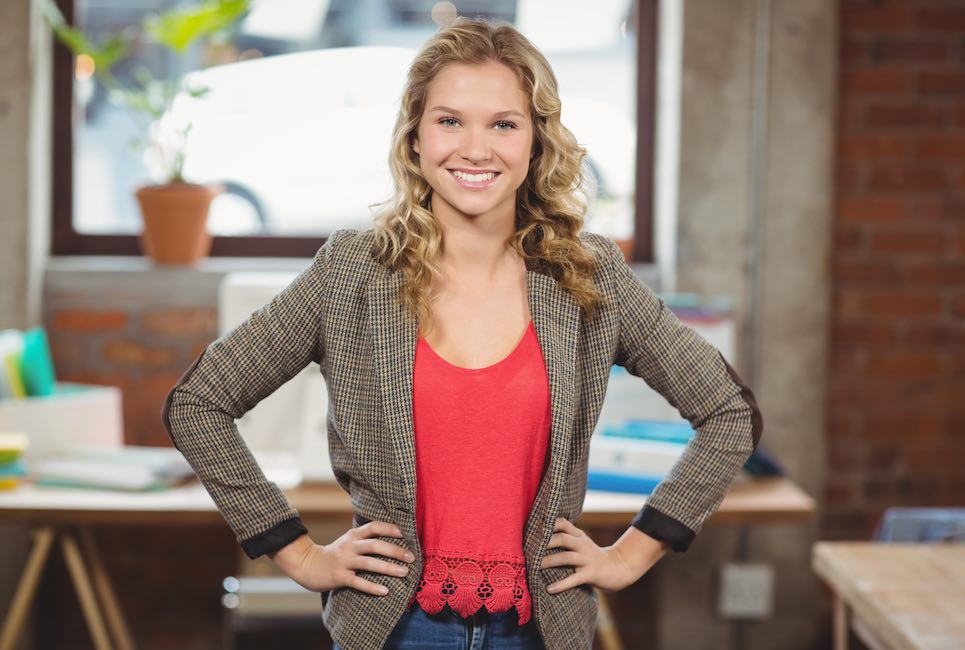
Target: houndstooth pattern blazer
(342,313)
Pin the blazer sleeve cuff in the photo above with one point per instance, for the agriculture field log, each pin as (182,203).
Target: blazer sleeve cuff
(666,529)
(275,538)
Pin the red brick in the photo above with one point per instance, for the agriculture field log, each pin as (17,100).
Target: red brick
(904,364)
(839,491)
(883,458)
(934,208)
(912,115)
(847,239)
(849,363)
(905,426)
(942,83)
(932,460)
(940,273)
(947,146)
(871,208)
(947,20)
(886,81)
(889,17)
(961,115)
(843,456)
(875,146)
(918,303)
(127,353)
(891,50)
(853,51)
(180,321)
(908,176)
(85,320)
(848,306)
(918,488)
(865,272)
(66,352)
(957,305)
(908,241)
(849,178)
(933,334)
(863,334)
(852,112)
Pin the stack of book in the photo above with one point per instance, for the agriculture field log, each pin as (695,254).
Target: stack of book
(128,468)
(26,367)
(634,456)
(12,466)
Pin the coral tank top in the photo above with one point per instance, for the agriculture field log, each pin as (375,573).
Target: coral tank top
(481,440)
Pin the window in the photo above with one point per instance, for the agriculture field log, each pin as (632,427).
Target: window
(274,128)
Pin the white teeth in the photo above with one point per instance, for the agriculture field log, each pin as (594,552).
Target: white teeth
(474,178)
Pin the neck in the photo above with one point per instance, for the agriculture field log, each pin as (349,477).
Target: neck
(477,248)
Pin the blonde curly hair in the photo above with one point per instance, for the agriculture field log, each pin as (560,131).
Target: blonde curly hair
(550,209)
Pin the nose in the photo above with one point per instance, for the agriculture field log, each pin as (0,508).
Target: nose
(475,146)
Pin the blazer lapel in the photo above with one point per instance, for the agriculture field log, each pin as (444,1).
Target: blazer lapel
(394,332)
(556,317)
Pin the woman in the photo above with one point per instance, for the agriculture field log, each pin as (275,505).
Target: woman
(466,341)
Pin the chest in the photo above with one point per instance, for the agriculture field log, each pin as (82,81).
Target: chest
(477,327)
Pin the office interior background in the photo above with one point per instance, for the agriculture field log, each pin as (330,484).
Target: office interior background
(806,160)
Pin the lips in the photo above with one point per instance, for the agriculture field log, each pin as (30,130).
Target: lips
(474,180)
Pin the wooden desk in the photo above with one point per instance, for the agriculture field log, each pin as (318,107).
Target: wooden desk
(772,500)
(899,596)
(68,514)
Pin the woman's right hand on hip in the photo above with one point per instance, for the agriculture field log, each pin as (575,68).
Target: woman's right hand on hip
(318,567)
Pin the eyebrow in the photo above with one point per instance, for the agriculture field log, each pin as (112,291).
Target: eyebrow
(446,109)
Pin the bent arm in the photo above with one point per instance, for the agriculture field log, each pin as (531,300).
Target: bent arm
(695,378)
(227,380)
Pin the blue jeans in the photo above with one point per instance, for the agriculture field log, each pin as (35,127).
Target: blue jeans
(418,630)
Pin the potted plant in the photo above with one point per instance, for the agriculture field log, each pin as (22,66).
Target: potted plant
(174,210)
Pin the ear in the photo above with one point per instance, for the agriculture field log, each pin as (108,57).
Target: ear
(415,145)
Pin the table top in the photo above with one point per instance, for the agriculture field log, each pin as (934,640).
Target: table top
(911,595)
(749,501)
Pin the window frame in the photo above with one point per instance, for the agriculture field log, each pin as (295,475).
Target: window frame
(66,240)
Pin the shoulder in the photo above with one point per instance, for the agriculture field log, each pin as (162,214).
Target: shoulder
(605,249)
(349,248)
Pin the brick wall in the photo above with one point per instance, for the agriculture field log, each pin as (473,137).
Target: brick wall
(896,430)
(168,579)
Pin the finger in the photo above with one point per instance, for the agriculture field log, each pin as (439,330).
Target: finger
(566,583)
(367,563)
(567,526)
(365,586)
(562,540)
(370,546)
(569,558)
(379,528)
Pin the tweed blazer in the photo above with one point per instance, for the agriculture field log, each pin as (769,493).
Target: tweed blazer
(343,313)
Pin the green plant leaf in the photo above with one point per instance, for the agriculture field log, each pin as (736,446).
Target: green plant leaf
(104,56)
(178,28)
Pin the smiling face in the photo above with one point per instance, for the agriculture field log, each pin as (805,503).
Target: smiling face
(474,141)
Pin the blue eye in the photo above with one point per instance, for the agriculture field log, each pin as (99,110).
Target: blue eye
(449,121)
(503,123)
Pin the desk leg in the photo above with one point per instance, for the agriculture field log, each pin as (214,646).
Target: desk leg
(605,628)
(102,585)
(85,591)
(27,587)
(839,624)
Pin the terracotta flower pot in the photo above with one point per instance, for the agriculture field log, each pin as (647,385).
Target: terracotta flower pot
(175,219)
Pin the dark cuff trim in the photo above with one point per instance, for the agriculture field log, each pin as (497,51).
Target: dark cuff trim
(274,539)
(757,422)
(667,529)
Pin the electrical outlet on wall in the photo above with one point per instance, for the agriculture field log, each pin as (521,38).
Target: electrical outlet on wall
(746,591)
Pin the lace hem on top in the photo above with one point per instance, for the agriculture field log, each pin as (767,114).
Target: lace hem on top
(466,585)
